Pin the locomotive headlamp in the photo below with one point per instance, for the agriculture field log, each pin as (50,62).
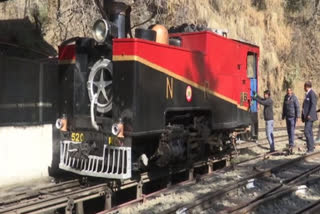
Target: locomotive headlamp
(117,129)
(61,123)
(100,30)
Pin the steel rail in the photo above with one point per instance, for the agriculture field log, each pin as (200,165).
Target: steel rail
(285,136)
(280,128)
(207,198)
(284,190)
(284,186)
(313,208)
(52,196)
(154,194)
(55,196)
(53,202)
(49,189)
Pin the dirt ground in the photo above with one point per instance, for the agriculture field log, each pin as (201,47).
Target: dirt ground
(189,193)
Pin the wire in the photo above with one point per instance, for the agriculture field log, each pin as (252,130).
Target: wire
(151,17)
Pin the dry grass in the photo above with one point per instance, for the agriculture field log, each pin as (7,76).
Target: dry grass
(289,40)
(69,19)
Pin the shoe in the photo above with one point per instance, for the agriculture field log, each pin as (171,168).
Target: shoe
(290,150)
(309,152)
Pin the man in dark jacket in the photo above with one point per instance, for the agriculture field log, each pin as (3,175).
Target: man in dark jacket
(268,115)
(309,114)
(290,112)
(318,135)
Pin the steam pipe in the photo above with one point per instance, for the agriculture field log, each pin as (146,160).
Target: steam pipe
(119,15)
(119,20)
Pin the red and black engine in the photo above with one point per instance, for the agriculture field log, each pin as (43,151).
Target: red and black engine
(154,100)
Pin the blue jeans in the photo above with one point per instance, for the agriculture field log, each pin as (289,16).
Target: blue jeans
(309,135)
(269,133)
(291,126)
(318,135)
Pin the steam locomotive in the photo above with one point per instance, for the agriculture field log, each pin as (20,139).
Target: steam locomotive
(154,100)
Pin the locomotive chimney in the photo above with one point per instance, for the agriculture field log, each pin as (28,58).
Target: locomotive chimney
(119,14)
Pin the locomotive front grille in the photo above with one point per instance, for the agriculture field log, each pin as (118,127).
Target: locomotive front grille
(115,163)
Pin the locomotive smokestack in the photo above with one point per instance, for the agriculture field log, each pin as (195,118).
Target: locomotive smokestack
(119,14)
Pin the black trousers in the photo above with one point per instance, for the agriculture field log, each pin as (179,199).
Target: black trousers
(309,135)
(291,126)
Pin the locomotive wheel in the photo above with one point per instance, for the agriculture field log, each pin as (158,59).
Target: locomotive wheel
(100,83)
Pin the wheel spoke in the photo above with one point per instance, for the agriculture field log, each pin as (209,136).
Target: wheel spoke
(101,76)
(107,83)
(99,91)
(105,94)
(96,83)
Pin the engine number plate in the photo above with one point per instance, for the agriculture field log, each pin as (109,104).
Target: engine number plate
(77,137)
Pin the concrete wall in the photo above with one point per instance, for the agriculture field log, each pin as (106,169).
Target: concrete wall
(25,153)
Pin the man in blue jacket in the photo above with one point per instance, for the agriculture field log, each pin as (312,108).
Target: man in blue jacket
(290,112)
(267,114)
(318,135)
(309,114)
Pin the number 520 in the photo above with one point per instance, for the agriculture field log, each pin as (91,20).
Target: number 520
(77,137)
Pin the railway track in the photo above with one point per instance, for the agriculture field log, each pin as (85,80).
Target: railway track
(190,180)
(256,193)
(280,135)
(70,195)
(244,146)
(293,191)
(66,195)
(155,195)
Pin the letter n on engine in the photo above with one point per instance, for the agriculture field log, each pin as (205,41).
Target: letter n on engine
(169,88)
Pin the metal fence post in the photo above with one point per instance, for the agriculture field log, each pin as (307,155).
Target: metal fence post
(41,93)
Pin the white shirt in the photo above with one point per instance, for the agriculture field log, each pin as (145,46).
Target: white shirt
(308,91)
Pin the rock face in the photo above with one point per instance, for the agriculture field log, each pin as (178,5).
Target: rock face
(287,31)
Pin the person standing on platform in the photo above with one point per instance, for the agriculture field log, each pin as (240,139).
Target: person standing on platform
(290,112)
(267,102)
(309,114)
(318,135)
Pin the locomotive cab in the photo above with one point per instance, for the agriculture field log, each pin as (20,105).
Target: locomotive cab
(128,103)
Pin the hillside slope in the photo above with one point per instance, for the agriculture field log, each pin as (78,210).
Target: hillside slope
(287,31)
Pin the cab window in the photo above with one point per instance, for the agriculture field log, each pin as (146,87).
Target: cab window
(251,65)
